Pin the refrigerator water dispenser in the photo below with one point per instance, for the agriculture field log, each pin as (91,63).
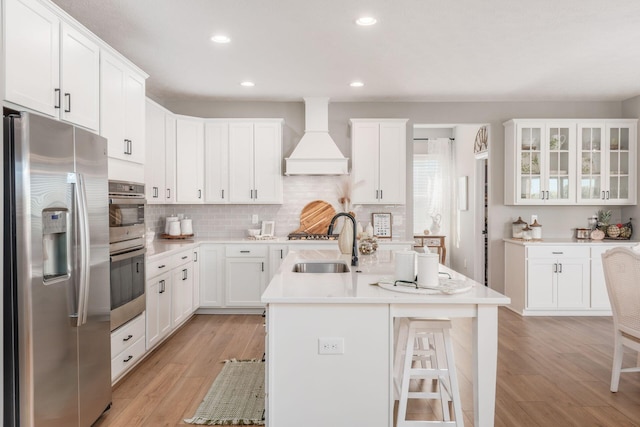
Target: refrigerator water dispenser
(55,248)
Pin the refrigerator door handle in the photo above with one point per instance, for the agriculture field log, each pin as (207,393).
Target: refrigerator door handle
(85,255)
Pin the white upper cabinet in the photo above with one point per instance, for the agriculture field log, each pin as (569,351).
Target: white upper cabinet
(189,160)
(607,167)
(378,156)
(122,109)
(155,162)
(560,162)
(216,170)
(50,66)
(255,161)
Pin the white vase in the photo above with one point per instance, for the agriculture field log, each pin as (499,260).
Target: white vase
(345,239)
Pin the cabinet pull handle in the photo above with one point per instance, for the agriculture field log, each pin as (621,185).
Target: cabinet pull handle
(199,194)
(555,268)
(127,338)
(381,195)
(222,191)
(184,257)
(161,287)
(377,194)
(256,194)
(195,257)
(607,194)
(560,270)
(251,194)
(557,253)
(262,266)
(281,253)
(137,267)
(127,359)
(184,274)
(245,252)
(162,266)
(126,147)
(168,193)
(602,197)
(68,97)
(57,93)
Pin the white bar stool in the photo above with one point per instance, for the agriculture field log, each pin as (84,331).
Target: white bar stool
(426,341)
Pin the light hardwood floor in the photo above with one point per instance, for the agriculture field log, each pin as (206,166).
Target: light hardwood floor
(552,371)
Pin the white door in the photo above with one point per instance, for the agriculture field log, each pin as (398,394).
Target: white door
(177,296)
(276,256)
(591,162)
(621,155)
(241,166)
(196,279)
(80,79)
(189,161)
(134,116)
(392,163)
(558,167)
(32,54)
(573,283)
(541,283)
(170,156)
(164,306)
(267,146)
(154,168)
(245,281)
(112,112)
(365,162)
(211,275)
(216,171)
(529,158)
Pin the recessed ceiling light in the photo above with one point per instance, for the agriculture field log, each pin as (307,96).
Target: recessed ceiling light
(366,21)
(356,84)
(247,84)
(220,39)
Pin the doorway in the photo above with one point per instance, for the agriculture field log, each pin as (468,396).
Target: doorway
(481,241)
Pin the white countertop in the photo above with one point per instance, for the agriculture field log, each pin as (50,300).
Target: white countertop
(356,287)
(161,247)
(572,241)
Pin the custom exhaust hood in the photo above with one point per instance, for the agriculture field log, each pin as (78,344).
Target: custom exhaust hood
(316,153)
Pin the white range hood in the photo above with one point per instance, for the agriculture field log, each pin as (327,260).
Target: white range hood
(316,153)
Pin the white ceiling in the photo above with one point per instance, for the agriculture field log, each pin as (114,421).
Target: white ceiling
(420,50)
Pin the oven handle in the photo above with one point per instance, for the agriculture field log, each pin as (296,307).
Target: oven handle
(132,201)
(127,255)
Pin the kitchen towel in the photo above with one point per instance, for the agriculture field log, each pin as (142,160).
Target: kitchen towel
(428,269)
(405,268)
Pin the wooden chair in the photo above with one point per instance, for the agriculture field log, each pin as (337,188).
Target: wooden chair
(622,276)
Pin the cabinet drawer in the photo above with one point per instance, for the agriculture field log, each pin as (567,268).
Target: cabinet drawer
(558,252)
(247,251)
(182,257)
(431,242)
(124,337)
(127,358)
(159,266)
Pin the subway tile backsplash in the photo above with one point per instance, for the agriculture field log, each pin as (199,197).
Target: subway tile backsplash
(232,221)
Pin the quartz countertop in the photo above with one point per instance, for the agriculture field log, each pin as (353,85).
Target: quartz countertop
(357,286)
(571,241)
(161,247)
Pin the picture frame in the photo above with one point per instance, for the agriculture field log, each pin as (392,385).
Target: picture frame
(381,225)
(268,228)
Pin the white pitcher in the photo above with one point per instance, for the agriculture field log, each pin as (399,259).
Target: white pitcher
(435,223)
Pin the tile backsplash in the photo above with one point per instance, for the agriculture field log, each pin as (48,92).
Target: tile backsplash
(232,221)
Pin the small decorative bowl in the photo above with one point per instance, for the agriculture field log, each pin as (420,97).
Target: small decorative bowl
(368,246)
(253,232)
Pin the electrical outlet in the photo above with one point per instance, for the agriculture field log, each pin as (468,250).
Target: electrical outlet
(254,219)
(330,345)
(533,218)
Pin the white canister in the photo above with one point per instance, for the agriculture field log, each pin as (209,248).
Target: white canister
(428,265)
(186,226)
(168,222)
(174,228)
(405,265)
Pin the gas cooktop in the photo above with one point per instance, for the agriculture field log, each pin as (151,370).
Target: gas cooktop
(308,236)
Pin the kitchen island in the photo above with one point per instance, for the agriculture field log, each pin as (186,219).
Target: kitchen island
(350,321)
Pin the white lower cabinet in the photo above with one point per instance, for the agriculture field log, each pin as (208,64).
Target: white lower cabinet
(158,308)
(546,280)
(245,275)
(127,346)
(182,289)
(211,275)
(277,253)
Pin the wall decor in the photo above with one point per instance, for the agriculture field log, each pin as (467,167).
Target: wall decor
(268,228)
(481,143)
(381,225)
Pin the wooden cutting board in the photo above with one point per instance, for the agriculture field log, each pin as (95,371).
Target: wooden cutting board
(316,217)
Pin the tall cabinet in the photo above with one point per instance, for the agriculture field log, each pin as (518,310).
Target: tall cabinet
(160,158)
(378,160)
(189,160)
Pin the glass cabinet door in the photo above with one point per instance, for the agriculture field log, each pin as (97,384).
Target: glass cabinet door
(530,158)
(591,155)
(558,144)
(618,164)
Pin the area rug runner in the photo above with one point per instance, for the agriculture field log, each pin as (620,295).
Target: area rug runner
(236,397)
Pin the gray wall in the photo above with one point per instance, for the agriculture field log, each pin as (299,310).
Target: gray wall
(556,221)
(631,110)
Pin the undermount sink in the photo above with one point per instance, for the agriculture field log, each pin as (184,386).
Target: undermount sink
(320,267)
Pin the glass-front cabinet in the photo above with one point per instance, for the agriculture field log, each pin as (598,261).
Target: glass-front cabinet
(606,162)
(569,161)
(544,166)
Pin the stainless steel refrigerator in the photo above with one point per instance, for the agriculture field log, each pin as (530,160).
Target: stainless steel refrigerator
(57,369)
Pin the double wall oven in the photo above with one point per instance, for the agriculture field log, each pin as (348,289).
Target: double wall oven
(127,251)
